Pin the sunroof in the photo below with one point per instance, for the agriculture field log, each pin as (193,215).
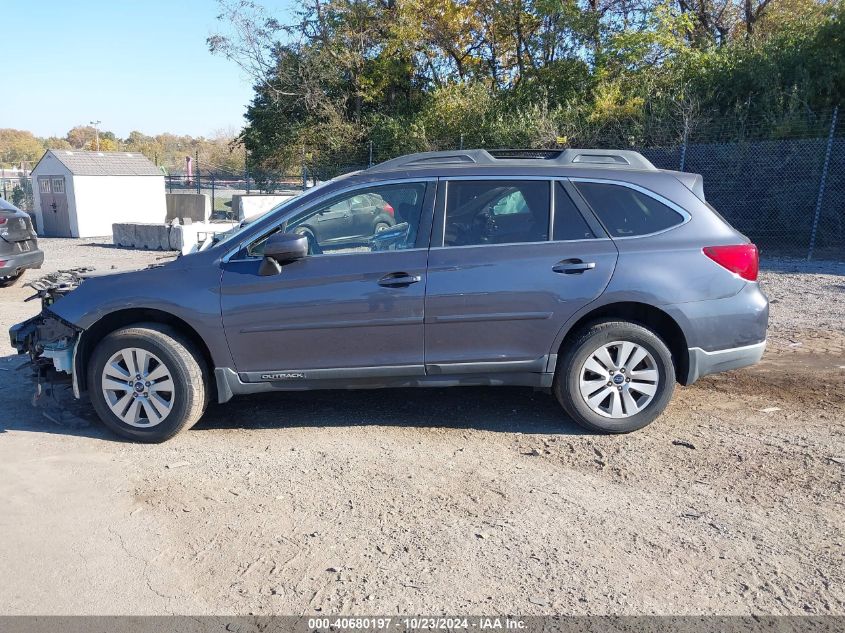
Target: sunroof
(545,154)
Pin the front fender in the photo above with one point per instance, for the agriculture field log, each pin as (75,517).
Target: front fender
(191,294)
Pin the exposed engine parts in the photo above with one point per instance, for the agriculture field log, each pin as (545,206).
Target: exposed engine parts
(56,285)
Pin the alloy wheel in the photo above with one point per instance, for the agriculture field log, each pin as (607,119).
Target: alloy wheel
(619,379)
(138,387)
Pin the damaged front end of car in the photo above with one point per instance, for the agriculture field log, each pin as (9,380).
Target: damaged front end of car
(48,340)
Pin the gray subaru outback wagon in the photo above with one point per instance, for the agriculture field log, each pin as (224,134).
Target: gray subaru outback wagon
(588,273)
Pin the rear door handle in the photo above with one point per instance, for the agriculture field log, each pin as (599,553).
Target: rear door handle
(573,266)
(398,280)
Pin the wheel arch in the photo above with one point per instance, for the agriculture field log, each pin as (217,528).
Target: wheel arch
(655,319)
(131,316)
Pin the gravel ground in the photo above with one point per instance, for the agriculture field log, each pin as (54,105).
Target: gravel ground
(443,501)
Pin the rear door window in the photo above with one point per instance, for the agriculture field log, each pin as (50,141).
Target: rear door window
(569,223)
(626,212)
(496,212)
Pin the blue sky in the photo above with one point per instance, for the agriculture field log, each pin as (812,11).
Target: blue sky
(133,64)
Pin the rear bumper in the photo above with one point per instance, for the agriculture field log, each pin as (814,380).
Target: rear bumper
(722,334)
(20,261)
(702,362)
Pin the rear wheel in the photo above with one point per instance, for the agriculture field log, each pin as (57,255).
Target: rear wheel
(10,280)
(615,377)
(148,382)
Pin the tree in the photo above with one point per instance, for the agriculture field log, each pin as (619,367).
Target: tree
(17,146)
(106,144)
(433,73)
(54,142)
(79,136)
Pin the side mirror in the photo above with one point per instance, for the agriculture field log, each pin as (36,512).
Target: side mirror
(280,249)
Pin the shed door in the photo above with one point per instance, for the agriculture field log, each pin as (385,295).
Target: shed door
(54,206)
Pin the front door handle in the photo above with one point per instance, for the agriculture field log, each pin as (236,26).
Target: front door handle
(573,266)
(398,280)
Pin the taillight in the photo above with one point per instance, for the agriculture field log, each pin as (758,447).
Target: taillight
(742,259)
(3,221)
(388,209)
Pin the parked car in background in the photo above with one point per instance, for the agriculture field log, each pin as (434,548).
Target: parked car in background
(18,244)
(587,273)
(349,222)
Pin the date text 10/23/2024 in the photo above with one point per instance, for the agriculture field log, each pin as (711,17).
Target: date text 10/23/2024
(415,623)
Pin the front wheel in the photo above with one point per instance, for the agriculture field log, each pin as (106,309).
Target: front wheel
(148,382)
(615,377)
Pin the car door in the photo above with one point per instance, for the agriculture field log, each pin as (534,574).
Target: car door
(511,260)
(343,311)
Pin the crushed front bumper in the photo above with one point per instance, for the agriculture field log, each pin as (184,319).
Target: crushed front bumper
(48,340)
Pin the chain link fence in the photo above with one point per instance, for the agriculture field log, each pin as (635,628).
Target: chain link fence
(222,187)
(787,194)
(775,192)
(16,187)
(781,183)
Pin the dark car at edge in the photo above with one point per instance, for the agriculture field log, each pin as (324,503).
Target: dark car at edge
(18,244)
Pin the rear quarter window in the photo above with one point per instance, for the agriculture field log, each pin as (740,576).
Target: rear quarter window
(626,212)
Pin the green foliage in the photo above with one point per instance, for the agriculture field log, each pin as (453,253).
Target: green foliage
(431,74)
(19,196)
(402,135)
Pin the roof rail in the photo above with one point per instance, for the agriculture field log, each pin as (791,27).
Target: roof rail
(624,159)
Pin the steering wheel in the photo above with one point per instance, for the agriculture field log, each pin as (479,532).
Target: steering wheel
(484,226)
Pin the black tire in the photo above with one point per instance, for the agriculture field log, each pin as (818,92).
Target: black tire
(186,367)
(567,376)
(11,280)
(380,226)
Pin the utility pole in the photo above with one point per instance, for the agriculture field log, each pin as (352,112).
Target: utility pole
(96,132)
(246,172)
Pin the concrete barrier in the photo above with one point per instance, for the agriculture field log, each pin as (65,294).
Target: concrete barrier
(247,206)
(196,206)
(166,237)
(148,236)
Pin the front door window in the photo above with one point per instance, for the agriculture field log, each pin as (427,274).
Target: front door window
(379,218)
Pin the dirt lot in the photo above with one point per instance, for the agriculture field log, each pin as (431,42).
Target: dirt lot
(454,501)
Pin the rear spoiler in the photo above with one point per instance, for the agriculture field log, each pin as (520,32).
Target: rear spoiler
(693,182)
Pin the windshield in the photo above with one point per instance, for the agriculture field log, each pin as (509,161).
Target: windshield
(232,235)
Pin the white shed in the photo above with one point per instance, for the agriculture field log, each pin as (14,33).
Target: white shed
(81,194)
